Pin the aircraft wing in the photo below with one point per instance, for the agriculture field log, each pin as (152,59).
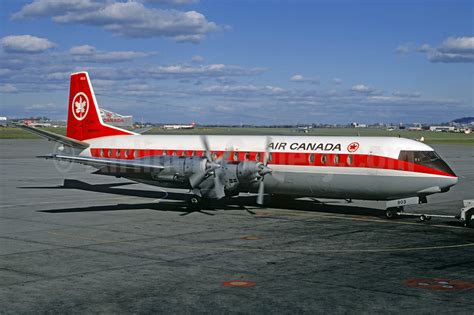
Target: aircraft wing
(55,137)
(99,163)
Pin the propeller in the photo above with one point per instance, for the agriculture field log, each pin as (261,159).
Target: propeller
(197,178)
(263,170)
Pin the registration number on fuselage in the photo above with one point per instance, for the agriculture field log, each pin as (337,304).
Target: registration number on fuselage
(403,202)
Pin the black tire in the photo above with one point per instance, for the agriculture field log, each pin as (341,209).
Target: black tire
(391,213)
(469,219)
(194,203)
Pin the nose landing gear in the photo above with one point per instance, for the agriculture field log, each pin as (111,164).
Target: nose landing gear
(394,210)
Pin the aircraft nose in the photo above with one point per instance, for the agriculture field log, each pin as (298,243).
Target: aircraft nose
(448,182)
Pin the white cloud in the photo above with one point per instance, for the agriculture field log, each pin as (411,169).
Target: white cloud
(91,54)
(44,108)
(362,88)
(451,50)
(82,50)
(242,89)
(128,19)
(458,45)
(407,95)
(402,49)
(336,81)
(25,44)
(8,88)
(424,48)
(298,78)
(42,8)
(212,70)
(197,59)
(173,2)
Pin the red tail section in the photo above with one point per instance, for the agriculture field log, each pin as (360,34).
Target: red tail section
(84,120)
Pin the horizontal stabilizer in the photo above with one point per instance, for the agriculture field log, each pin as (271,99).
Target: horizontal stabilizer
(55,137)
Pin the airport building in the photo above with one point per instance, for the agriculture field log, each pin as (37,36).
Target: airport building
(115,119)
(442,128)
(3,121)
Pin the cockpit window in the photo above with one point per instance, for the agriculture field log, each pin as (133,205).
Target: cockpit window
(426,158)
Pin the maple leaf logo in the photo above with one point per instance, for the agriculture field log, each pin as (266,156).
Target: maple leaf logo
(80,106)
(353,147)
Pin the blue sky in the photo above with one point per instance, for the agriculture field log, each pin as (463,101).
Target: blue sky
(257,62)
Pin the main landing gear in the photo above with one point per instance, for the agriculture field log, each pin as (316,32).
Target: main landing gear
(194,203)
(392,213)
(197,203)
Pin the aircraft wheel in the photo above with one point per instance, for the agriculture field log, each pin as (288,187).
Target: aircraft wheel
(194,203)
(469,219)
(424,218)
(391,213)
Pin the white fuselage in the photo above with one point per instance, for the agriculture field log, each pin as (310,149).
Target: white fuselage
(330,167)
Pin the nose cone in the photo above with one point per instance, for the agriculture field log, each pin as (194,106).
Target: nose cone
(448,182)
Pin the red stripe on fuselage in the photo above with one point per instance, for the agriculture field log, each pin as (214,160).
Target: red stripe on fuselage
(282,158)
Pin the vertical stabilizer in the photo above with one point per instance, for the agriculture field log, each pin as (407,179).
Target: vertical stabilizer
(84,120)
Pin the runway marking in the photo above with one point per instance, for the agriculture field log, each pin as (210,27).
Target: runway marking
(439,284)
(250,238)
(239,283)
(301,251)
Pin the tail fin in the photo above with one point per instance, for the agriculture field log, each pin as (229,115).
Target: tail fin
(84,120)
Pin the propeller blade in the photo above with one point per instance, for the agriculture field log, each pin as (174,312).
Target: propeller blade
(261,191)
(266,156)
(196,179)
(224,157)
(218,185)
(205,143)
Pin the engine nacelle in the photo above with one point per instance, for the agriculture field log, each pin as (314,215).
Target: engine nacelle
(177,168)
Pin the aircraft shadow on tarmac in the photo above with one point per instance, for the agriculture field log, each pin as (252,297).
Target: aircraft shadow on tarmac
(169,201)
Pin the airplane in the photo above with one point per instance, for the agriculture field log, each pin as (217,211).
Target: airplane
(215,167)
(192,126)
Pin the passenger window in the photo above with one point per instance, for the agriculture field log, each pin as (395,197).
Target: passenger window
(349,159)
(336,159)
(117,153)
(109,153)
(270,157)
(125,154)
(324,159)
(101,153)
(236,156)
(311,158)
(247,156)
(183,153)
(257,157)
(193,153)
(135,154)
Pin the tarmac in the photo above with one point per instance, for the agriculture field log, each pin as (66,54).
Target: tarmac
(73,242)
